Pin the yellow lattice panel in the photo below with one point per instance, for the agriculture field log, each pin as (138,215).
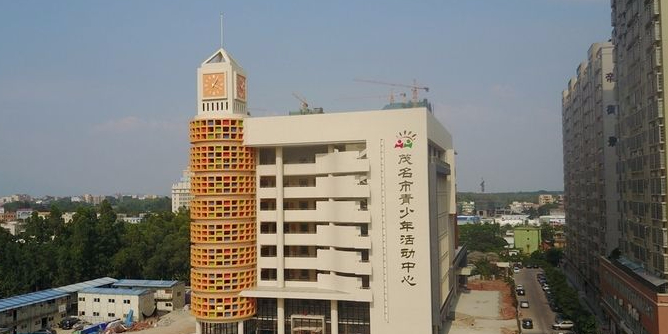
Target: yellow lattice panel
(222,256)
(222,185)
(223,231)
(221,157)
(222,208)
(216,129)
(222,308)
(222,281)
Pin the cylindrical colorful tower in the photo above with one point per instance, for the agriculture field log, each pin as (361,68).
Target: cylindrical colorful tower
(223,230)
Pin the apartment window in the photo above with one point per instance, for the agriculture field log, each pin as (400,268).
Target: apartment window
(126,301)
(168,304)
(96,314)
(96,300)
(111,314)
(82,299)
(268,274)
(111,300)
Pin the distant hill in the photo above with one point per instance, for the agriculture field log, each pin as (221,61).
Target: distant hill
(504,198)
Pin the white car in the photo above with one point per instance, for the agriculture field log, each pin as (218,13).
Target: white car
(516,270)
(524,304)
(519,287)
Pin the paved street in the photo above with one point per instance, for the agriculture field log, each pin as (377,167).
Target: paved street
(539,311)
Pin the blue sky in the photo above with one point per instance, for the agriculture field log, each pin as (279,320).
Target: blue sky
(95,96)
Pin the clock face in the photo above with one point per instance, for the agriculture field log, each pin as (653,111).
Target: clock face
(213,85)
(241,87)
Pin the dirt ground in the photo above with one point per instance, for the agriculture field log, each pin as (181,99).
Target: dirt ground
(506,308)
(487,308)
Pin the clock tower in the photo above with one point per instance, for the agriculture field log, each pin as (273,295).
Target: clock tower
(223,254)
(221,85)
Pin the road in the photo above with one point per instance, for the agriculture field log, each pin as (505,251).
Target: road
(539,310)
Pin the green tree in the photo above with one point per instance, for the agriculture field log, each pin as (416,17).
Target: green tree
(482,237)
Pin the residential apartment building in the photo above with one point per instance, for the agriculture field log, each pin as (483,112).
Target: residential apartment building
(344,226)
(634,285)
(181,195)
(589,119)
(545,199)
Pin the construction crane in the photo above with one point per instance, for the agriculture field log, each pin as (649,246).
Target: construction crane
(304,106)
(391,97)
(482,185)
(414,87)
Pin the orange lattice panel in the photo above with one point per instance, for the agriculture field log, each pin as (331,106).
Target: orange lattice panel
(223,231)
(221,158)
(222,185)
(228,281)
(222,256)
(216,129)
(222,208)
(222,308)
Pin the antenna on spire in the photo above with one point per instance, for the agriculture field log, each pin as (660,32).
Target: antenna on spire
(221,30)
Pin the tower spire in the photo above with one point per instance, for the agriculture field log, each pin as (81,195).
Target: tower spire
(221,30)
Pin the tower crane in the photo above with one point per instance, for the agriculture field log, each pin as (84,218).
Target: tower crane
(304,106)
(391,97)
(414,87)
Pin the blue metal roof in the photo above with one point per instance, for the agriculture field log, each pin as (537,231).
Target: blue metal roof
(115,291)
(30,298)
(139,283)
(50,294)
(96,283)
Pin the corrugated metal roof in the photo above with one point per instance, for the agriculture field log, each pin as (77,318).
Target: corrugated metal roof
(115,291)
(50,294)
(145,283)
(87,284)
(30,298)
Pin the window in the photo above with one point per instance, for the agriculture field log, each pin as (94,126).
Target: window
(168,304)
(82,312)
(126,301)
(111,314)
(97,300)
(96,314)
(82,299)
(111,300)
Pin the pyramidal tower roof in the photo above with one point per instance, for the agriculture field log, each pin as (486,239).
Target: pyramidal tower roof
(221,56)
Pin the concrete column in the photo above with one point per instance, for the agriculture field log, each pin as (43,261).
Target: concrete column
(280,314)
(334,316)
(198,327)
(280,238)
(240,327)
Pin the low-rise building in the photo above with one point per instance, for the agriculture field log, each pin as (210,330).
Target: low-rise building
(527,238)
(23,213)
(545,199)
(106,304)
(32,311)
(169,295)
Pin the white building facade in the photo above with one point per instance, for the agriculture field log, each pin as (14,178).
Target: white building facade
(168,295)
(106,304)
(356,222)
(181,196)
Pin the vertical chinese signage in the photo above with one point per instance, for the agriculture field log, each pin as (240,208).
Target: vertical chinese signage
(405,210)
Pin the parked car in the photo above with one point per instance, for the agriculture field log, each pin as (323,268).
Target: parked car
(519,287)
(516,270)
(521,292)
(527,323)
(560,323)
(524,304)
(68,323)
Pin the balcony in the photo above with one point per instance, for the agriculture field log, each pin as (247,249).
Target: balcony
(325,236)
(335,212)
(325,163)
(326,260)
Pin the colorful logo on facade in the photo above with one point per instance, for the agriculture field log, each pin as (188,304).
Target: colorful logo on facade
(405,139)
